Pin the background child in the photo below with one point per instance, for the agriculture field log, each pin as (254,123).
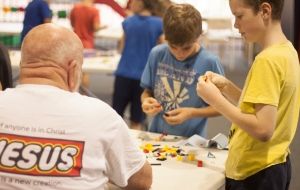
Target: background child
(85,21)
(265,121)
(170,76)
(142,31)
(37,12)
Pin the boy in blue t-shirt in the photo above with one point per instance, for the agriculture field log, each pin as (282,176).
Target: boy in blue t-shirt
(170,76)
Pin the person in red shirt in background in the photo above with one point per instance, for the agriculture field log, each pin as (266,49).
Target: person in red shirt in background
(85,21)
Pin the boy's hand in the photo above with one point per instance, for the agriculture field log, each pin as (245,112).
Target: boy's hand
(208,90)
(151,106)
(177,116)
(218,80)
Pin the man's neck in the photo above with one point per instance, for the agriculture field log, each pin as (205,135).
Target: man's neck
(48,75)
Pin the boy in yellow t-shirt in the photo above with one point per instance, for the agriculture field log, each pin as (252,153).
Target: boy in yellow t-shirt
(265,121)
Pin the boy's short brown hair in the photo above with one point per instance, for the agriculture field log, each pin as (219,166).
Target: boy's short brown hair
(182,24)
(277,6)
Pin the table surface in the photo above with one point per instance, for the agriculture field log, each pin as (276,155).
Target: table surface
(173,174)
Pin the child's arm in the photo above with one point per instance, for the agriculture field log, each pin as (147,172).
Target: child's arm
(149,104)
(178,116)
(260,125)
(228,88)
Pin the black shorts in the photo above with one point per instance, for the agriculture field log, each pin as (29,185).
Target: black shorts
(276,177)
(128,91)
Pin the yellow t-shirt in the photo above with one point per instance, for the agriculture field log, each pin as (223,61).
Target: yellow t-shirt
(273,79)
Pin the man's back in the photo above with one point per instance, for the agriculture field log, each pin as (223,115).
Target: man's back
(51,137)
(61,140)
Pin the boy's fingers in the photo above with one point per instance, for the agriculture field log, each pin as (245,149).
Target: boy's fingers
(173,112)
(209,73)
(201,78)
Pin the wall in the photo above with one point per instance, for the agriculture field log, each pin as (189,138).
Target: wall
(288,19)
(297,25)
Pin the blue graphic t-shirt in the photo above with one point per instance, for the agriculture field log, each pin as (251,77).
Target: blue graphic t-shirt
(174,85)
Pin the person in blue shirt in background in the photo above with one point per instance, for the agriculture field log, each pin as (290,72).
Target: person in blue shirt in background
(171,74)
(142,31)
(37,12)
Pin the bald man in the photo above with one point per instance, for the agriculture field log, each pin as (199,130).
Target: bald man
(51,137)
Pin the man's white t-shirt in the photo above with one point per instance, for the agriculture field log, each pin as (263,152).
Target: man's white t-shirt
(54,139)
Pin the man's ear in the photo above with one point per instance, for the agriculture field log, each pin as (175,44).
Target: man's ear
(266,10)
(72,74)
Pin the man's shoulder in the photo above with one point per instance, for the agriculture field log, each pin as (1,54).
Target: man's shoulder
(91,102)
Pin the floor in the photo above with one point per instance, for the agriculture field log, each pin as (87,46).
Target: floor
(234,57)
